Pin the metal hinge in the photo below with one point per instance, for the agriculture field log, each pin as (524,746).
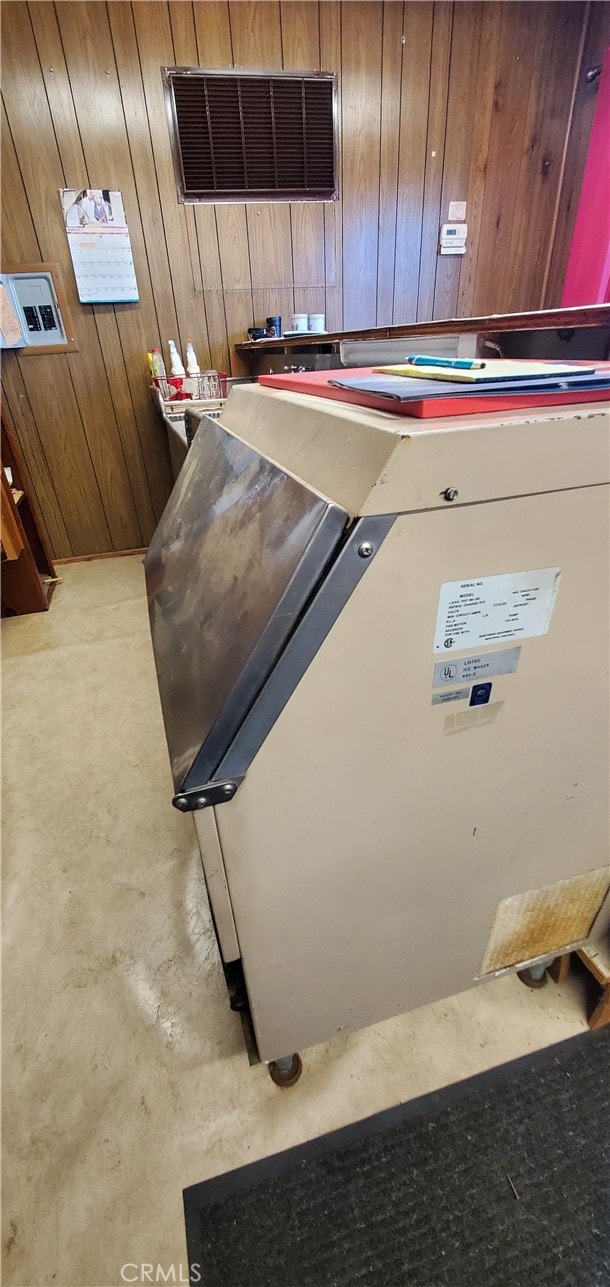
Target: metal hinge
(205,797)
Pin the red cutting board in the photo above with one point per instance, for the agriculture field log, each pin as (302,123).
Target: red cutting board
(317,382)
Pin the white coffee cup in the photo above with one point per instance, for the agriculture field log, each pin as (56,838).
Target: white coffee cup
(298,321)
(316,322)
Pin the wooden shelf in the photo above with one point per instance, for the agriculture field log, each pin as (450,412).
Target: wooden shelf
(545,319)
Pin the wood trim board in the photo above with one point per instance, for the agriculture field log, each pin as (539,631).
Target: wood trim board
(546,319)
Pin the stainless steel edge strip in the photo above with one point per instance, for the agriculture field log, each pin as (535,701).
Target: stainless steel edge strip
(334,592)
(315,559)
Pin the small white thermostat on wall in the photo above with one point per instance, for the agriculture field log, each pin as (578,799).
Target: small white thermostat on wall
(453,238)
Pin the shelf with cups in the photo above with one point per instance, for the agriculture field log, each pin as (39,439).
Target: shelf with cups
(300,324)
(581,332)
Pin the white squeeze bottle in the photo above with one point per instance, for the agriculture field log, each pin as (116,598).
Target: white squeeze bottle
(177,367)
(192,364)
(192,367)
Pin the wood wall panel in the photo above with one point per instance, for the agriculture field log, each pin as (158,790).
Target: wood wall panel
(437,102)
(300,35)
(414,103)
(464,107)
(518,40)
(49,510)
(56,413)
(485,78)
(331,59)
(82,57)
(213,30)
(269,240)
(256,33)
(18,231)
(155,317)
(69,439)
(301,52)
(361,126)
(440,56)
(391,74)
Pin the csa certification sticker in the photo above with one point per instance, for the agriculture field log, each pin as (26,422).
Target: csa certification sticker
(494,609)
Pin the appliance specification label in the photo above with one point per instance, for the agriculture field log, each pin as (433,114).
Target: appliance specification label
(453,695)
(494,609)
(480,666)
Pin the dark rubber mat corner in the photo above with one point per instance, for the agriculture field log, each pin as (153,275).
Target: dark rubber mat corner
(499,1181)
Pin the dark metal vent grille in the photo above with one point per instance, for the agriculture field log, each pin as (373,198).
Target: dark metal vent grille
(253,136)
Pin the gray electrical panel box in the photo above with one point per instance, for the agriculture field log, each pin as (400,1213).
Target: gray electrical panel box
(34,300)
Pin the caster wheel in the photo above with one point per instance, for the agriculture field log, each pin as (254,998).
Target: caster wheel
(286,1076)
(530,980)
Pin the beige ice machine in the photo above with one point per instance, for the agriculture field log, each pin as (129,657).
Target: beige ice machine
(382,654)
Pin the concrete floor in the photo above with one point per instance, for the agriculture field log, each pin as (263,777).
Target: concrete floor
(125,1076)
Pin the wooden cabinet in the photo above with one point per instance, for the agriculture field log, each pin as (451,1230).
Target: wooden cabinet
(28,575)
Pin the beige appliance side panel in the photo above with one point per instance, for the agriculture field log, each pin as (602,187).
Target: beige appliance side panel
(371,463)
(375,833)
(216,883)
(564,448)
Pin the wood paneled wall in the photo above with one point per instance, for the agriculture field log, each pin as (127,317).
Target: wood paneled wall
(438,101)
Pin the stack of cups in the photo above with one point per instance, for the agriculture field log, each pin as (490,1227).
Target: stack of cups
(298,322)
(308,322)
(315,322)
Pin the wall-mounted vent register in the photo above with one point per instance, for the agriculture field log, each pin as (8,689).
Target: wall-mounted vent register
(249,136)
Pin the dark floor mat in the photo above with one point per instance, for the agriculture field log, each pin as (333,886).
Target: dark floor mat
(499,1181)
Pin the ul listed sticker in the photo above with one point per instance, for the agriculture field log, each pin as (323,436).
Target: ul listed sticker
(477,667)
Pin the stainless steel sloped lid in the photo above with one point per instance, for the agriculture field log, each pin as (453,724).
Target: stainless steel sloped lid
(237,554)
